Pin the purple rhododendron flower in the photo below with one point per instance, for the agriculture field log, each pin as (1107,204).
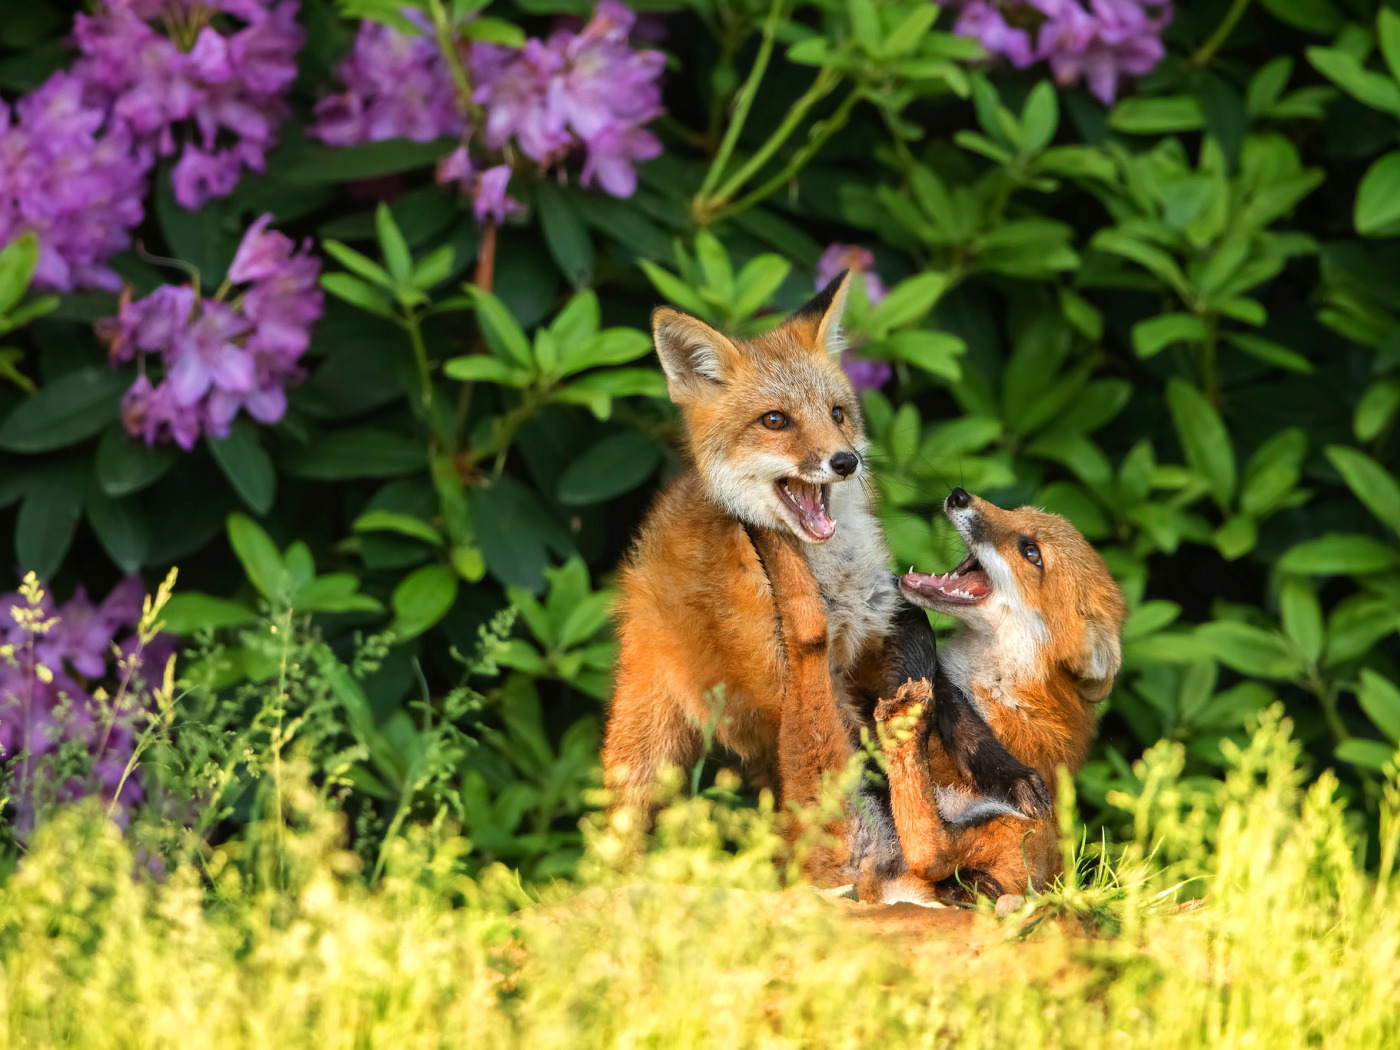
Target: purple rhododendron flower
(227,84)
(52,661)
(220,358)
(70,174)
(581,90)
(1100,43)
(864,374)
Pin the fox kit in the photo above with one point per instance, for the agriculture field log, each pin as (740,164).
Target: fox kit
(776,442)
(1037,649)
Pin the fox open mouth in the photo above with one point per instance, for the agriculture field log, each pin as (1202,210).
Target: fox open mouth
(968,584)
(811,503)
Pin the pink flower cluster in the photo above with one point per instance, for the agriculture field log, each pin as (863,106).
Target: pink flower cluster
(220,356)
(73,175)
(220,91)
(1102,43)
(75,153)
(47,686)
(586,90)
(864,373)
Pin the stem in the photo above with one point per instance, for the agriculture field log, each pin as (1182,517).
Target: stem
(1209,362)
(1222,33)
(821,87)
(447,44)
(820,134)
(743,102)
(414,329)
(486,258)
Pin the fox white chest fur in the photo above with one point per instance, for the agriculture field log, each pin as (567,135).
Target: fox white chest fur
(852,570)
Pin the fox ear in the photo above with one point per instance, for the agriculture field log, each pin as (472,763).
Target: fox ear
(1099,659)
(825,310)
(695,358)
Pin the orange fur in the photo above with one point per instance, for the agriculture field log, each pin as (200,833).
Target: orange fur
(1037,660)
(696,612)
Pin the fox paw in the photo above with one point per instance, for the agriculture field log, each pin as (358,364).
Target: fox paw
(914,691)
(1021,787)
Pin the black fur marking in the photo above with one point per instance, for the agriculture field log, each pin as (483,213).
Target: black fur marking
(966,886)
(815,308)
(979,756)
(912,648)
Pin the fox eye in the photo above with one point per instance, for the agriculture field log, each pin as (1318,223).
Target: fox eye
(1030,550)
(839,415)
(773,420)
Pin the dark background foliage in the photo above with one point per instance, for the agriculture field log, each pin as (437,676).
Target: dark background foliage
(1173,320)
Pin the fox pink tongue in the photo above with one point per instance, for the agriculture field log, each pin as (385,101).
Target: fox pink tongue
(807,501)
(967,586)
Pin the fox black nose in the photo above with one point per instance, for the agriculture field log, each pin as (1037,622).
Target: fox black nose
(959,498)
(844,463)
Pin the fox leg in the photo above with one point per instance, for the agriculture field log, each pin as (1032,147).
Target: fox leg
(647,732)
(927,842)
(969,742)
(813,742)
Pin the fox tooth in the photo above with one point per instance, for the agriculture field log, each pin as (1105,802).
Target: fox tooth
(955,576)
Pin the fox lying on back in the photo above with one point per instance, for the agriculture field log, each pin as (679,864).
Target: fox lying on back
(1038,648)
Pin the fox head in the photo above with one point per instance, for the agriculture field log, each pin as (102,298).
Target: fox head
(772,423)
(1033,591)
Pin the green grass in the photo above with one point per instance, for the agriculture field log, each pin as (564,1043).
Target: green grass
(277,941)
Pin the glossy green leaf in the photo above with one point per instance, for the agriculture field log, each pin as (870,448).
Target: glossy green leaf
(422,599)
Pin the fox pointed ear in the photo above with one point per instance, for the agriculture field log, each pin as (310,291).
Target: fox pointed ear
(695,358)
(1100,657)
(825,310)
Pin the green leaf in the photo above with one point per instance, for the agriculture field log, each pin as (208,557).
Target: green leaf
(1356,624)
(1302,620)
(1378,198)
(1339,554)
(1157,333)
(757,281)
(612,346)
(17,262)
(394,521)
(1151,258)
(66,411)
(191,611)
(480,367)
(1251,650)
(1157,116)
(616,464)
(715,265)
(362,452)
(1039,118)
(335,592)
(494,31)
(316,165)
(422,599)
(1374,486)
(677,291)
(357,263)
(468,563)
(1236,537)
(935,352)
(258,555)
(359,294)
(909,300)
(1380,699)
(1204,439)
(1269,351)
(502,334)
(1388,30)
(622,382)
(397,257)
(1377,407)
(47,520)
(125,465)
(565,233)
(121,528)
(434,268)
(1368,754)
(247,465)
(1343,69)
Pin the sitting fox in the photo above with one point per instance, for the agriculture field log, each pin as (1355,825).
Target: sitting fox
(776,442)
(1037,649)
